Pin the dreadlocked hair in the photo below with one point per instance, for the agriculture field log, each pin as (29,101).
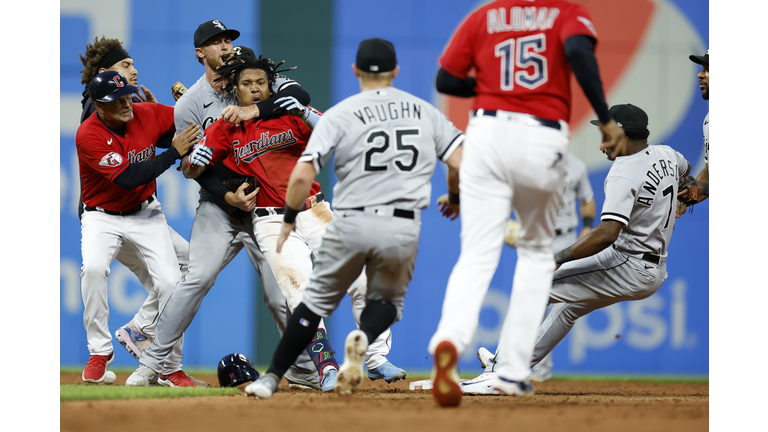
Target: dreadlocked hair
(238,63)
(94,53)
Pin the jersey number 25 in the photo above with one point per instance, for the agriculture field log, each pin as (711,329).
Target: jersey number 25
(526,53)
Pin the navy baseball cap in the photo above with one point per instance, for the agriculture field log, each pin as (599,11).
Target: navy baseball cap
(702,60)
(376,55)
(109,86)
(629,117)
(210,29)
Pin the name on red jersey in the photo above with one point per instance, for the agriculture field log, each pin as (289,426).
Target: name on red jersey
(143,155)
(529,18)
(250,151)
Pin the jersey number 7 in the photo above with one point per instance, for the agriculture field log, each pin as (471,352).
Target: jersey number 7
(526,52)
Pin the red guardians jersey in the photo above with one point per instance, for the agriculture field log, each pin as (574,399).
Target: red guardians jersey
(103,155)
(516,48)
(264,148)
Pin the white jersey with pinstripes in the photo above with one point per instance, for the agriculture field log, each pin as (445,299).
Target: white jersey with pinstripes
(641,194)
(386,143)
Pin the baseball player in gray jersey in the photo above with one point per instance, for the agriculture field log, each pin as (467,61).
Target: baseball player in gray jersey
(624,257)
(697,190)
(385,142)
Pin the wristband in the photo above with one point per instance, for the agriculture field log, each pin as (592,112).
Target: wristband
(290,214)
(588,221)
(453,198)
(705,188)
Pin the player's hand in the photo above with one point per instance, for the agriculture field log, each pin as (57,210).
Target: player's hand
(584,231)
(289,105)
(285,231)
(201,155)
(614,139)
(147,96)
(240,200)
(235,115)
(681,207)
(447,209)
(184,141)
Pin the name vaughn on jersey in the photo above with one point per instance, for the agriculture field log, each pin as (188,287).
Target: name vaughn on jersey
(390,111)
(659,170)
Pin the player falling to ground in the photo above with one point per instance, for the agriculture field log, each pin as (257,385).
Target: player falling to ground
(108,55)
(118,167)
(516,142)
(216,236)
(696,191)
(386,142)
(264,149)
(624,257)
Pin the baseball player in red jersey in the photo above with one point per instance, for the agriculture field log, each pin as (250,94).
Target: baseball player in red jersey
(118,167)
(516,143)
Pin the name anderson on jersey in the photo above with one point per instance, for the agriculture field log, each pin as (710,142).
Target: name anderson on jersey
(390,111)
(668,169)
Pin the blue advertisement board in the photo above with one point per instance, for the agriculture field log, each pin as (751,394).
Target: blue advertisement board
(643,61)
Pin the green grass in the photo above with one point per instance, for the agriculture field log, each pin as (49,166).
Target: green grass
(78,392)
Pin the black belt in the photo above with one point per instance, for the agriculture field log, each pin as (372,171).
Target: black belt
(261,212)
(651,258)
(121,213)
(559,231)
(542,122)
(407,214)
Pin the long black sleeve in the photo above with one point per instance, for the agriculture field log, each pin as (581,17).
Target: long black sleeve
(267,107)
(165,141)
(580,51)
(141,173)
(454,86)
(210,182)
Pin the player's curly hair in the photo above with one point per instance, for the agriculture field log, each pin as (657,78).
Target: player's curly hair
(94,53)
(235,64)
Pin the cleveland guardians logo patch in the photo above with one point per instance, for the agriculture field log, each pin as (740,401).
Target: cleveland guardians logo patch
(111,160)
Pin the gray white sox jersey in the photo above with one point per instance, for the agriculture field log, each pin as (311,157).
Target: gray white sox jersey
(576,187)
(386,142)
(641,193)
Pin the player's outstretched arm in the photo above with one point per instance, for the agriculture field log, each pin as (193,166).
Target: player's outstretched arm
(598,239)
(587,211)
(299,186)
(449,203)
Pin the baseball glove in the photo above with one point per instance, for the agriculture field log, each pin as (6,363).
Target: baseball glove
(177,90)
(512,232)
(233,184)
(688,191)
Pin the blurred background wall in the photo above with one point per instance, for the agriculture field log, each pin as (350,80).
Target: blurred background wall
(643,56)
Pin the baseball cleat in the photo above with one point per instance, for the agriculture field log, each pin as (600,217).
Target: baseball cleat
(198,383)
(306,381)
(176,379)
(350,375)
(264,387)
(142,377)
(328,380)
(513,388)
(132,339)
(445,376)
(96,369)
(487,359)
(480,385)
(387,371)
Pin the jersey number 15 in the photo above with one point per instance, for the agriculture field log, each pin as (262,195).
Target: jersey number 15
(526,53)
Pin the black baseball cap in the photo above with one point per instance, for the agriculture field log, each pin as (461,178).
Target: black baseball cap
(629,117)
(702,60)
(210,29)
(376,55)
(109,86)
(244,51)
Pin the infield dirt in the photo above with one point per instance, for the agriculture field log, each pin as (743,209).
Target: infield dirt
(573,406)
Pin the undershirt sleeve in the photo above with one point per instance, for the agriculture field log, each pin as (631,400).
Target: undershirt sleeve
(141,173)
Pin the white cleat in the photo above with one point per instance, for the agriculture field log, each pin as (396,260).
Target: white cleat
(264,387)
(480,385)
(513,388)
(487,359)
(142,377)
(350,375)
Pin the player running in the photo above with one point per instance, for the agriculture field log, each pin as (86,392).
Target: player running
(517,139)
(378,203)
